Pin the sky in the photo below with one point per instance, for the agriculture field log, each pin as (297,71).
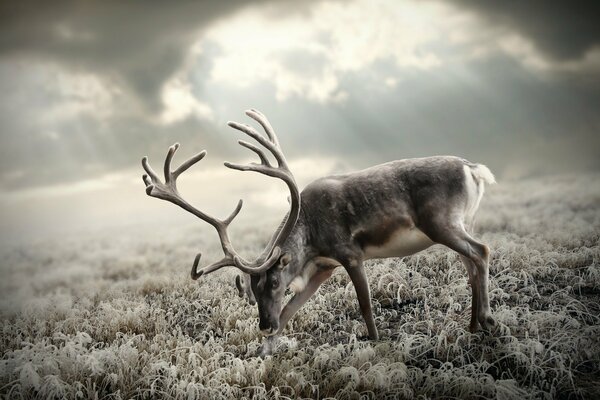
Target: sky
(90,87)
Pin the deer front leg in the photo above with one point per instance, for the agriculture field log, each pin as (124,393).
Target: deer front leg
(295,303)
(361,285)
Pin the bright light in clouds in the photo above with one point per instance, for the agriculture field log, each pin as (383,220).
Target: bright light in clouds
(305,55)
(334,37)
(177,95)
(179,103)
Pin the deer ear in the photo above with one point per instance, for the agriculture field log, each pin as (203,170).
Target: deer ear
(238,284)
(285,260)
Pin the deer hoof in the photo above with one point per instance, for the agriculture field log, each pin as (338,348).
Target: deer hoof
(264,351)
(267,347)
(474,326)
(487,323)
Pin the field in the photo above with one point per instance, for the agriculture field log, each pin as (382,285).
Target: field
(114,314)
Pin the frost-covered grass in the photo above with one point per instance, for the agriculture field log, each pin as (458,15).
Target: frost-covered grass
(115,315)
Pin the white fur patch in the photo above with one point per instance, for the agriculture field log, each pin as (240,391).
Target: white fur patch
(298,284)
(483,173)
(474,194)
(476,177)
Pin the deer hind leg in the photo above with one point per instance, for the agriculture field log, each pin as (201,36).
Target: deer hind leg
(475,255)
(361,285)
(474,282)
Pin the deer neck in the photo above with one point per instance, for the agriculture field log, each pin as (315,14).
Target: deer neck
(298,247)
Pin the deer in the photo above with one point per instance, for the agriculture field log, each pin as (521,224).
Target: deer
(394,209)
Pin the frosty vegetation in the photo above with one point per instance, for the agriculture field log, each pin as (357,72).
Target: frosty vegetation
(115,315)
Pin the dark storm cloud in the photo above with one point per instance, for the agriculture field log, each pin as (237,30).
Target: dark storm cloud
(140,44)
(563,30)
(41,146)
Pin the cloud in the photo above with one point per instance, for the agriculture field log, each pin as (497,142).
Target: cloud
(91,87)
(136,44)
(305,54)
(586,67)
(60,126)
(562,31)
(180,103)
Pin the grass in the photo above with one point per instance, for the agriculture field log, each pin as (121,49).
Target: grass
(113,315)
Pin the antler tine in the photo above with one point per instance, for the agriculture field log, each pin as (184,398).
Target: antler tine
(148,183)
(225,262)
(234,214)
(263,159)
(188,163)
(260,168)
(153,176)
(264,122)
(259,266)
(237,262)
(167,166)
(272,147)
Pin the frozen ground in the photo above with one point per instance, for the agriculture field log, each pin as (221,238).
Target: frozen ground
(113,314)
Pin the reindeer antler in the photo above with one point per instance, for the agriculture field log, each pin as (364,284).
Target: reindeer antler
(168,191)
(282,172)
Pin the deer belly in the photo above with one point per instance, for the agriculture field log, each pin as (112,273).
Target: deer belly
(401,243)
